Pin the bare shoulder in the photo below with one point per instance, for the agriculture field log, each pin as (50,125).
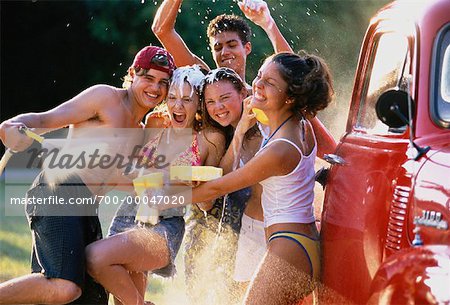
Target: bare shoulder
(105,93)
(99,98)
(213,136)
(212,146)
(283,155)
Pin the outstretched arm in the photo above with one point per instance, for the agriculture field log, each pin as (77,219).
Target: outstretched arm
(81,108)
(258,12)
(274,160)
(164,28)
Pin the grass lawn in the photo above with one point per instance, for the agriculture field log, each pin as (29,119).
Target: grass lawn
(15,249)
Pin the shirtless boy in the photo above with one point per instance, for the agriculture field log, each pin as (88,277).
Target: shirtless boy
(58,261)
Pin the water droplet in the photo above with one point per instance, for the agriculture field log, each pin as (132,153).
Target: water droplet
(142,1)
(67,25)
(307,13)
(106,29)
(179,10)
(120,64)
(114,74)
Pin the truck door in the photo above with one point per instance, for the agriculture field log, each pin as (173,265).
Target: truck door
(361,181)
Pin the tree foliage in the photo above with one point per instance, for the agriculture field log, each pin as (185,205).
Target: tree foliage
(52,50)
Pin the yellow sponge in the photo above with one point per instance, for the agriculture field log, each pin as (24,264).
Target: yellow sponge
(195,173)
(261,116)
(146,213)
(153,180)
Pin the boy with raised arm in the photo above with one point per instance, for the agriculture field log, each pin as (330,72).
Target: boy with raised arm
(229,35)
(229,38)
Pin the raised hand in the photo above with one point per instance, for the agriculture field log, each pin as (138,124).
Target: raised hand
(247,119)
(257,11)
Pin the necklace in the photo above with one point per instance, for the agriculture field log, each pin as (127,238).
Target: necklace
(273,133)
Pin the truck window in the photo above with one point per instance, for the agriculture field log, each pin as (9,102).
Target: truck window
(445,76)
(389,55)
(442,90)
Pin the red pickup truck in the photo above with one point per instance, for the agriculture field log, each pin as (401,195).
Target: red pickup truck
(385,221)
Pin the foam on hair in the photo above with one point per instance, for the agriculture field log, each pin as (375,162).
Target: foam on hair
(193,75)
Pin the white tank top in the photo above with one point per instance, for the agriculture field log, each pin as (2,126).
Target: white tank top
(289,198)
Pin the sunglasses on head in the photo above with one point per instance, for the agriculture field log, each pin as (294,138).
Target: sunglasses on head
(160,60)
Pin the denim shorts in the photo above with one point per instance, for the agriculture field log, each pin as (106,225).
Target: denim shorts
(172,229)
(124,219)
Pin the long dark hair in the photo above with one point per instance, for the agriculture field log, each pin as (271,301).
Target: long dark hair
(309,81)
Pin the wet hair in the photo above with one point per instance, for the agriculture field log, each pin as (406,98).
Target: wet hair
(309,81)
(230,23)
(192,75)
(214,76)
(159,60)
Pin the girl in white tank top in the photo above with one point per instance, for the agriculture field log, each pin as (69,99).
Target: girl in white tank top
(288,88)
(289,198)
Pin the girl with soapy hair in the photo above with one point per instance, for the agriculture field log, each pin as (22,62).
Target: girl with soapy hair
(120,261)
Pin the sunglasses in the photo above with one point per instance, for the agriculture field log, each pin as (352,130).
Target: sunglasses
(160,60)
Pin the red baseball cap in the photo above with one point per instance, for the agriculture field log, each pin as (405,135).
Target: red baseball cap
(152,57)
